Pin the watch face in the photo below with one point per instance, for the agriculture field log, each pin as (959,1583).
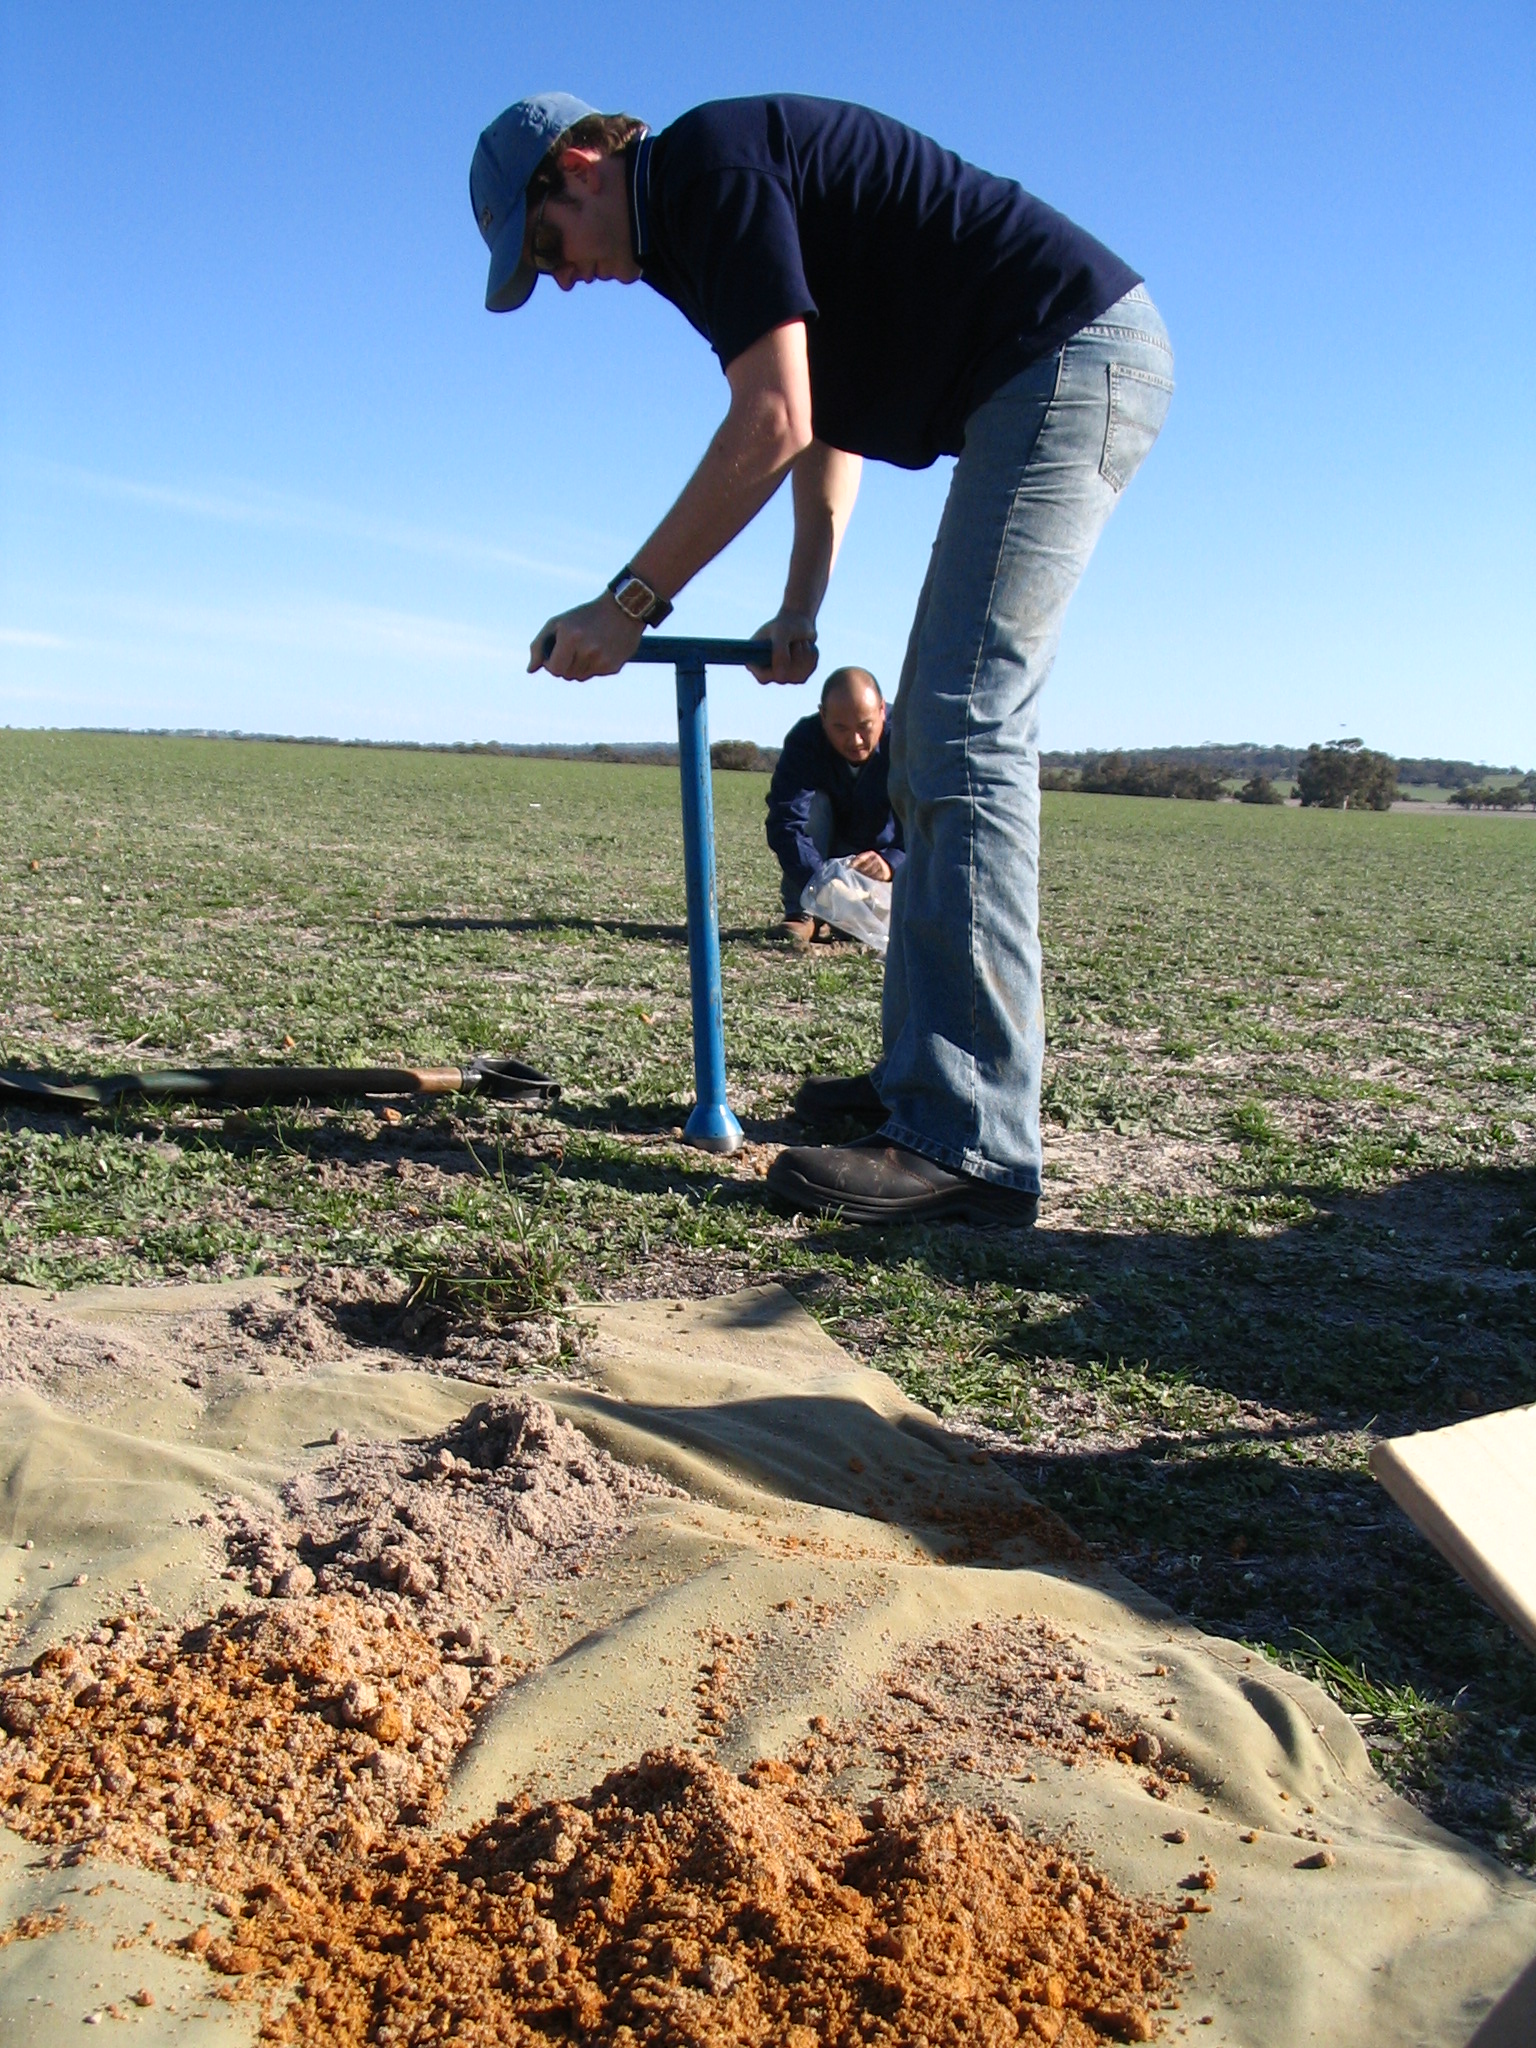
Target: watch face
(634,597)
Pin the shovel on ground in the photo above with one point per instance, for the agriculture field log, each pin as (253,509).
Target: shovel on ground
(503,1080)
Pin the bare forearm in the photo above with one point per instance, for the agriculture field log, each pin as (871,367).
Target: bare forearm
(825,486)
(745,463)
(766,430)
(826,483)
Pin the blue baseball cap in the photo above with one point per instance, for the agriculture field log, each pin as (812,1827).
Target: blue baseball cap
(506,157)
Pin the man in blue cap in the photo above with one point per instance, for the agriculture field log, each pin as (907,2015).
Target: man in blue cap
(870,294)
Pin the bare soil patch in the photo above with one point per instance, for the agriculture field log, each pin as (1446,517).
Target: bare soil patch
(980,1700)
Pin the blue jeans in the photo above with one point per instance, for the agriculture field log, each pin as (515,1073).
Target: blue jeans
(1044,461)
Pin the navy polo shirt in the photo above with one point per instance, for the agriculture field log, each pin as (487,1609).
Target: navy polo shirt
(924,283)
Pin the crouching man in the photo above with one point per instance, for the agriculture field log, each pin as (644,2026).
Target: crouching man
(829,796)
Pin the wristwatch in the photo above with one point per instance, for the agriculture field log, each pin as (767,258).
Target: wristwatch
(632,594)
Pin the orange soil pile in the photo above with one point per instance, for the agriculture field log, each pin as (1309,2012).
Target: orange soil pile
(678,1905)
(982,1698)
(283,1753)
(235,1749)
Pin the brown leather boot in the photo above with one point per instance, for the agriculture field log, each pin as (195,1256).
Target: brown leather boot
(875,1181)
(795,931)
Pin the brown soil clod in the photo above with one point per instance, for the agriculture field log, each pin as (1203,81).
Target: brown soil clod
(717,1690)
(33,1926)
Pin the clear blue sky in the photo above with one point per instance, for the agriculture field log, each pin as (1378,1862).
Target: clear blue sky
(265,462)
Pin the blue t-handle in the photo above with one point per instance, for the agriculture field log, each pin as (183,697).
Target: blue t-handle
(711,1125)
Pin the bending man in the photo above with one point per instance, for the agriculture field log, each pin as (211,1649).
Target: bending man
(870,294)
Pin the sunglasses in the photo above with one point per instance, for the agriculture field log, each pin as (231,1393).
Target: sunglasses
(546,245)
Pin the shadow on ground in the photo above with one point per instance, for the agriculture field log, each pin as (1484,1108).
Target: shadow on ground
(1201,1406)
(615,927)
(1410,1306)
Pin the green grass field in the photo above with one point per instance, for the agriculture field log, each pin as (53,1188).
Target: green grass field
(1291,1139)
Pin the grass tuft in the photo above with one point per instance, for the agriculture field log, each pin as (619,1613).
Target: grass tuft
(512,1265)
(1408,1736)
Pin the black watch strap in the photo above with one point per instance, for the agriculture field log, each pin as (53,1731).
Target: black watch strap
(632,594)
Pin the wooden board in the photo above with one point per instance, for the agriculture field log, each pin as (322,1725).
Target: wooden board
(1471,1490)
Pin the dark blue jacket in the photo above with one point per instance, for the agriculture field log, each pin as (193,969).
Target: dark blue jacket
(862,818)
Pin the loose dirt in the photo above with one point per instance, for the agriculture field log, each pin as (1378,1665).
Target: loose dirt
(981,1699)
(676,1904)
(374,1306)
(61,1361)
(287,1754)
(447,1529)
(236,1750)
(361,1319)
(290,1754)
(717,1689)
(86,1371)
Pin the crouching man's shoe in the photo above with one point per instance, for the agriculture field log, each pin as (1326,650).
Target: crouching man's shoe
(875,1181)
(794,931)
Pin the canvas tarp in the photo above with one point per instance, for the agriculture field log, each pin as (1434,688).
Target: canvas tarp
(813,1488)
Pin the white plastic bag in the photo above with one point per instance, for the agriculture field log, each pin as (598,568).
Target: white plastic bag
(851,902)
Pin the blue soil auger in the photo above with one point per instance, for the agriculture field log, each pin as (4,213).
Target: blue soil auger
(710,1126)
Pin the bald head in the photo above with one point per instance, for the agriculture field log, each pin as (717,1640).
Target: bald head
(852,713)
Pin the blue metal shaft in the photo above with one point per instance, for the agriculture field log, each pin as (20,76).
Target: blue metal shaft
(719,653)
(711,1126)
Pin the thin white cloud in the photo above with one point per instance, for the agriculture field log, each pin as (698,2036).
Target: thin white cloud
(251,505)
(131,631)
(336,629)
(26,636)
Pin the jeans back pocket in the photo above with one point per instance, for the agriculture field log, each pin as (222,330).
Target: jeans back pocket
(1138,405)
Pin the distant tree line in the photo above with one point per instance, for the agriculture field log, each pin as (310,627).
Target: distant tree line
(1274,764)
(1340,775)
(659,754)
(1430,773)
(1504,796)
(1226,763)
(1135,775)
